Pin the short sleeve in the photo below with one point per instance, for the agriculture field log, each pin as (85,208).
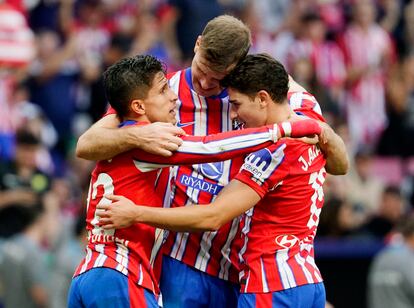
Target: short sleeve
(265,169)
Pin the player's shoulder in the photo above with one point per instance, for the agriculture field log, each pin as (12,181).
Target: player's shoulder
(304,103)
(173,75)
(271,155)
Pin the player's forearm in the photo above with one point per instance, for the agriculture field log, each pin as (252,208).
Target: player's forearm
(337,161)
(103,140)
(189,218)
(228,145)
(99,143)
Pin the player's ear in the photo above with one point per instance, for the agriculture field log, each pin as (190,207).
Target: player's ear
(264,98)
(138,106)
(197,44)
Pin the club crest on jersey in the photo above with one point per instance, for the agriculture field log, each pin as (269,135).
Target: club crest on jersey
(212,170)
(286,240)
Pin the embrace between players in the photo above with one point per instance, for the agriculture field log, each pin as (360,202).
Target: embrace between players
(257,194)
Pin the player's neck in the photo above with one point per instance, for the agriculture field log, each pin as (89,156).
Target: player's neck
(137,118)
(279,113)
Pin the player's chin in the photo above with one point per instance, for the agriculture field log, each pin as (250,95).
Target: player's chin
(172,120)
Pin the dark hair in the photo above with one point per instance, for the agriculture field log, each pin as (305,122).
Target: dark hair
(392,190)
(16,217)
(259,72)
(25,137)
(130,78)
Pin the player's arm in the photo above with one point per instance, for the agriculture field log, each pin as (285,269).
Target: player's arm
(337,161)
(260,172)
(332,145)
(227,145)
(235,199)
(104,140)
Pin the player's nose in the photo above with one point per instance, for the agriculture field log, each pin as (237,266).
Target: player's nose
(173,95)
(233,114)
(206,84)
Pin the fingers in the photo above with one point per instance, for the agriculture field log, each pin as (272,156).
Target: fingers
(102,213)
(103,207)
(171,146)
(112,198)
(104,221)
(176,140)
(161,152)
(110,226)
(177,131)
(168,128)
(310,140)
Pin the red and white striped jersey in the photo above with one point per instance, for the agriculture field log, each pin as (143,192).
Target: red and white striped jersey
(16,38)
(133,251)
(212,252)
(277,253)
(215,253)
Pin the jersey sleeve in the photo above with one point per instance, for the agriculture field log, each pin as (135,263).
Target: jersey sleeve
(216,147)
(304,103)
(265,169)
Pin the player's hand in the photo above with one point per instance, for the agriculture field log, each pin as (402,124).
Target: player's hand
(121,213)
(298,129)
(326,133)
(157,138)
(310,140)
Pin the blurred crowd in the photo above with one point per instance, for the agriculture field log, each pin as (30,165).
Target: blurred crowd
(356,57)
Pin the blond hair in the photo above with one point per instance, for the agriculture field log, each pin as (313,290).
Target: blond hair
(225,41)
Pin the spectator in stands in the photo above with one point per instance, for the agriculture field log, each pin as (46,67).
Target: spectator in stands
(182,22)
(337,219)
(53,80)
(16,51)
(21,182)
(391,277)
(390,211)
(69,254)
(367,49)
(397,137)
(366,189)
(23,269)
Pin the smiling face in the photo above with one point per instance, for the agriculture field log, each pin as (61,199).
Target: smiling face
(247,111)
(160,102)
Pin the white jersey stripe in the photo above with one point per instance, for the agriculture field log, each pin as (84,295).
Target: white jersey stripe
(179,245)
(159,237)
(311,261)
(170,191)
(264,279)
(100,260)
(225,145)
(285,271)
(122,258)
(225,251)
(247,282)
(204,255)
(200,125)
(226,123)
(174,83)
(87,259)
(301,262)
(141,275)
